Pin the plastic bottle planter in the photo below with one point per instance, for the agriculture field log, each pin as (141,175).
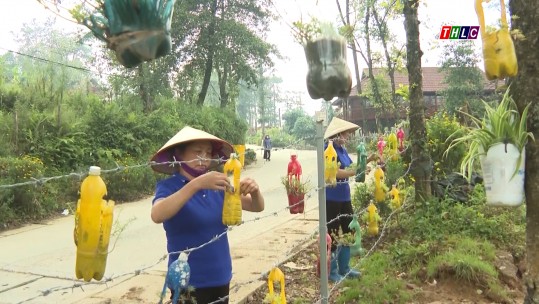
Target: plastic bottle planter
(400,137)
(136,30)
(331,166)
(362,163)
(395,198)
(379,189)
(93,223)
(498,49)
(296,195)
(328,256)
(296,202)
(356,248)
(232,210)
(276,275)
(504,187)
(392,145)
(177,278)
(372,218)
(328,75)
(240,151)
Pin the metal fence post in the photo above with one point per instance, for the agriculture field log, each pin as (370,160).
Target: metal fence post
(322,229)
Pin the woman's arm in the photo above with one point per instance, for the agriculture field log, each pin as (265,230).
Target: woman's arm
(251,197)
(165,208)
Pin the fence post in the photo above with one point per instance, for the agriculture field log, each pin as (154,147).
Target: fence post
(322,228)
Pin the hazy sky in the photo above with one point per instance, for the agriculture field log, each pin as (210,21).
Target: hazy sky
(13,13)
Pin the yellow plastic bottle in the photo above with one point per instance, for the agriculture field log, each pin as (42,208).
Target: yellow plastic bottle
(276,275)
(372,220)
(395,197)
(498,48)
(331,165)
(232,204)
(93,222)
(392,145)
(379,191)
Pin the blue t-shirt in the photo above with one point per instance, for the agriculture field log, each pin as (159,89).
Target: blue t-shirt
(341,192)
(199,221)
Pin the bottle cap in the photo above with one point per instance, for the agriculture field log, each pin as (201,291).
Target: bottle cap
(95,170)
(233,155)
(183,257)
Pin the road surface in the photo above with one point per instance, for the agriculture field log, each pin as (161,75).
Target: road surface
(37,261)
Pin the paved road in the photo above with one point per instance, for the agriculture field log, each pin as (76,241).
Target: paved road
(39,259)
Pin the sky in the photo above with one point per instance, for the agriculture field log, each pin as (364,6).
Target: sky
(293,70)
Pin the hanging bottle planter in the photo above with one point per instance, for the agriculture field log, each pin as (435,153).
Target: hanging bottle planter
(328,74)
(356,249)
(400,137)
(295,189)
(276,275)
(177,278)
(362,162)
(328,256)
(331,166)
(502,134)
(503,175)
(498,49)
(136,31)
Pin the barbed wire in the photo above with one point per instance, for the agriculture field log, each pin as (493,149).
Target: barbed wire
(80,284)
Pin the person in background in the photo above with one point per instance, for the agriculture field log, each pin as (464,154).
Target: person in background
(339,210)
(266,144)
(189,204)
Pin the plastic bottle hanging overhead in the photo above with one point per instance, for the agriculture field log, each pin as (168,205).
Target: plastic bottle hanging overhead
(498,49)
(328,74)
(136,31)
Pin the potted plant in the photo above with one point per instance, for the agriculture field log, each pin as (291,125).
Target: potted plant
(295,190)
(498,141)
(325,50)
(136,30)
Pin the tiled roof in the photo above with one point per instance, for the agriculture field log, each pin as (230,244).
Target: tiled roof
(433,79)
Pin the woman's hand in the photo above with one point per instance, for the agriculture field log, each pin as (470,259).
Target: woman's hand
(249,186)
(212,180)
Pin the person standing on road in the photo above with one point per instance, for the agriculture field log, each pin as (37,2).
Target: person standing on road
(189,205)
(339,208)
(267,148)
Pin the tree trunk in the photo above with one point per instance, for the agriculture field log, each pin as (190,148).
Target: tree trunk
(382,28)
(421,165)
(525,91)
(143,91)
(222,86)
(209,60)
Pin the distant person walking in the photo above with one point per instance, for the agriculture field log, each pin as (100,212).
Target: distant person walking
(266,144)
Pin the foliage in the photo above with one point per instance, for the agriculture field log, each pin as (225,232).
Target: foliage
(465,81)
(440,127)
(295,186)
(250,156)
(378,283)
(502,124)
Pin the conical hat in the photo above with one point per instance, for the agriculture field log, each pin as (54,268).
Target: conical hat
(337,126)
(221,148)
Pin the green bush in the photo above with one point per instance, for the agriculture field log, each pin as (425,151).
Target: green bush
(250,156)
(439,129)
(26,202)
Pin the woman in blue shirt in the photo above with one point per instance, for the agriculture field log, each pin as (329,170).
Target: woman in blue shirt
(190,204)
(338,200)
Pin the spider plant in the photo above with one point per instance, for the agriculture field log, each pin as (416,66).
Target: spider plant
(502,124)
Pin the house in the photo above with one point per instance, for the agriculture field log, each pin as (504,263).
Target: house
(352,108)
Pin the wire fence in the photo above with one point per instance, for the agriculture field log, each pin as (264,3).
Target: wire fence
(79,284)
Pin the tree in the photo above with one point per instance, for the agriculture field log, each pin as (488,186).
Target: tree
(421,166)
(525,14)
(465,82)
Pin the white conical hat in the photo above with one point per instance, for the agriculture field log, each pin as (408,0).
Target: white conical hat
(337,126)
(221,148)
